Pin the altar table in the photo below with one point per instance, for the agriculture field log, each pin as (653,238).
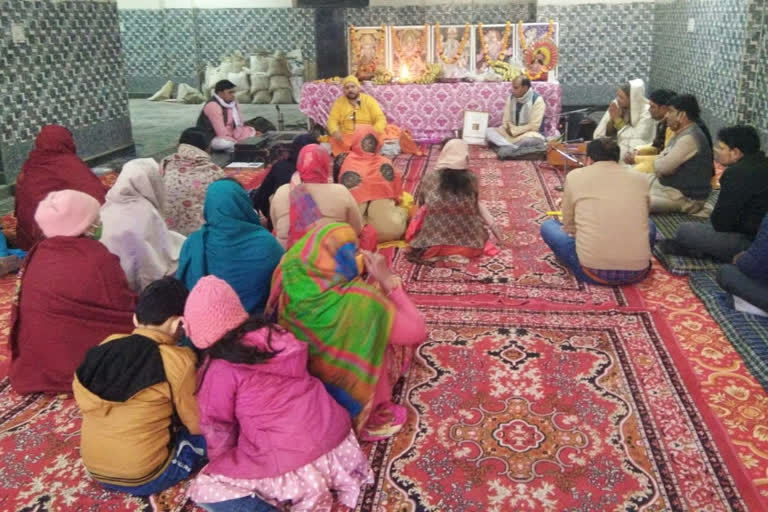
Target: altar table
(433,112)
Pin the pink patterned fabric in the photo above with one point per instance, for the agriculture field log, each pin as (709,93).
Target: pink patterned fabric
(344,470)
(432,112)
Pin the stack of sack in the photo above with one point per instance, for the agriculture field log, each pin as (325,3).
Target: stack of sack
(262,78)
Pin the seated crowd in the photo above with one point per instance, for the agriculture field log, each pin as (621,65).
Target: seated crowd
(250,341)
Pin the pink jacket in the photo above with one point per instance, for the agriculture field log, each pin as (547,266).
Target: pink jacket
(229,131)
(265,420)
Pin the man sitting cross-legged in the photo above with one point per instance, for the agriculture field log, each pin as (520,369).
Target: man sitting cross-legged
(606,235)
(523,120)
(741,206)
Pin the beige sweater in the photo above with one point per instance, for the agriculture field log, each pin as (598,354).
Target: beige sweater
(605,207)
(334,201)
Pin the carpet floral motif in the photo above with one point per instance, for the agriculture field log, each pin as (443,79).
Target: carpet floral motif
(544,410)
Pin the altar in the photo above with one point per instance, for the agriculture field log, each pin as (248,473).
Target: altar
(433,112)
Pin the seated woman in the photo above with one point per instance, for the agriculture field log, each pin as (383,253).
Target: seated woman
(72,294)
(134,225)
(375,185)
(232,245)
(52,165)
(628,118)
(747,278)
(354,330)
(280,174)
(311,199)
(454,221)
(187,174)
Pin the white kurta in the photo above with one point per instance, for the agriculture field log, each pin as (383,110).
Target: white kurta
(641,128)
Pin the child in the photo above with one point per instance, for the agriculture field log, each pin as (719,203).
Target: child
(133,391)
(271,428)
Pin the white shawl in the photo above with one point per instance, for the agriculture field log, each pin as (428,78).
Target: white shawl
(232,106)
(134,228)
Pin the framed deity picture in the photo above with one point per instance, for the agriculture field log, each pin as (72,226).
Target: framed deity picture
(453,49)
(539,50)
(494,42)
(410,50)
(367,51)
(474,127)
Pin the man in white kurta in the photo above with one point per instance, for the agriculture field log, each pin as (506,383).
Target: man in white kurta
(523,119)
(628,118)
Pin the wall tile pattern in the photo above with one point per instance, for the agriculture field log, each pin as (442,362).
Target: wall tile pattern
(753,97)
(69,71)
(707,62)
(601,46)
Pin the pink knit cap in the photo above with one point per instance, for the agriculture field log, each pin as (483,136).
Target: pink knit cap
(66,213)
(212,310)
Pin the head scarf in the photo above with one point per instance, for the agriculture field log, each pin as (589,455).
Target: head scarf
(134,224)
(52,165)
(280,174)
(367,174)
(318,295)
(313,166)
(350,79)
(66,213)
(231,245)
(454,155)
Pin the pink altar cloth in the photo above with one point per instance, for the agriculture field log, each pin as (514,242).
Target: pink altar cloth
(434,111)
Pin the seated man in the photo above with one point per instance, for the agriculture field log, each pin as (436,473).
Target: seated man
(222,120)
(353,109)
(658,106)
(628,118)
(683,171)
(523,121)
(602,203)
(741,206)
(130,388)
(747,278)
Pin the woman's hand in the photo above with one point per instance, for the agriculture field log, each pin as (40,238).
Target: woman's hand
(376,265)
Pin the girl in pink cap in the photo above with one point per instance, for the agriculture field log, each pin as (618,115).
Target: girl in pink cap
(272,430)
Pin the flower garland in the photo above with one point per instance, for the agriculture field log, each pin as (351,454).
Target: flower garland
(546,44)
(356,45)
(439,45)
(504,42)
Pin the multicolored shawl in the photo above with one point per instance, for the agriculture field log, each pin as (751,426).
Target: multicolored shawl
(313,166)
(318,295)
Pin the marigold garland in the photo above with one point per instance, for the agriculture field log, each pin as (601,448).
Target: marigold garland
(504,43)
(546,44)
(462,44)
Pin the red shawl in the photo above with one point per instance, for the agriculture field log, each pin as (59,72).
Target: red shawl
(367,174)
(51,165)
(72,295)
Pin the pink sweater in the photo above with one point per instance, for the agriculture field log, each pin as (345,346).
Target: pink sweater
(264,420)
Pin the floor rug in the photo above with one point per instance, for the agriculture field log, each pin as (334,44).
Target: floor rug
(748,333)
(666,227)
(518,196)
(542,411)
(730,390)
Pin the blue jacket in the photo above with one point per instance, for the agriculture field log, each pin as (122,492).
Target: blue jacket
(754,262)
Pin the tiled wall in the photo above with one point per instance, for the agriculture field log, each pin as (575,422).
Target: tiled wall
(707,62)
(753,88)
(175,44)
(69,71)
(601,46)
(444,14)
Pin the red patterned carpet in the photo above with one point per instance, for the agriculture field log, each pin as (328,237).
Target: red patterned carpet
(533,393)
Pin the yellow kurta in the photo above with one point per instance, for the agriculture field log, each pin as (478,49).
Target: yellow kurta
(647,154)
(369,112)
